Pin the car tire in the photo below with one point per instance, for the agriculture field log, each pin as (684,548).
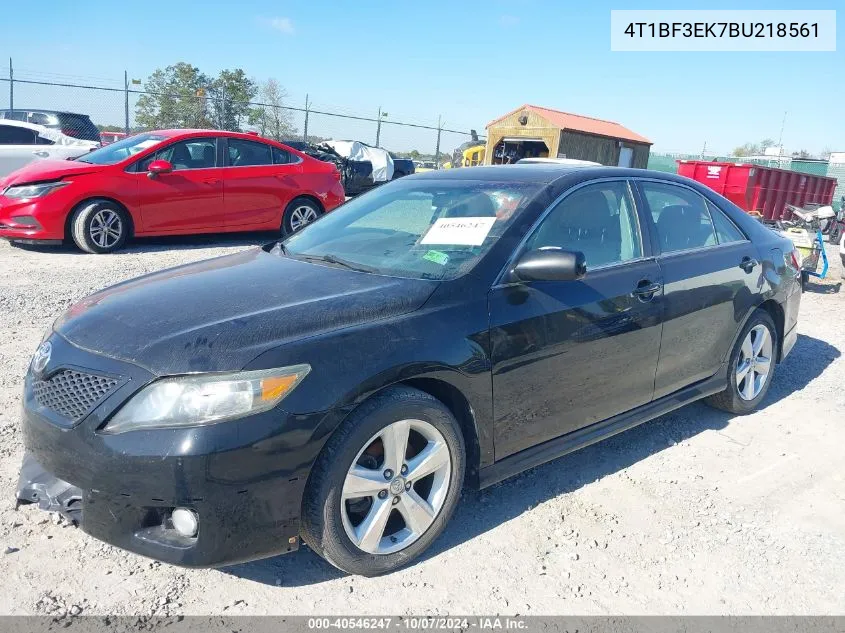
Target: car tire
(99,227)
(329,513)
(299,213)
(742,397)
(398,174)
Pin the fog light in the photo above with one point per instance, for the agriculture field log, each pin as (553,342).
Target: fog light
(185,521)
(26,220)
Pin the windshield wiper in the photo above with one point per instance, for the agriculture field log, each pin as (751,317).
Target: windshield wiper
(331,259)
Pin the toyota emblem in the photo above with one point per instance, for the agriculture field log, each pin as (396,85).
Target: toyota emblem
(42,357)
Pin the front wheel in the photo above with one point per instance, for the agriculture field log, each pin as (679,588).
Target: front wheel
(386,483)
(751,366)
(99,227)
(835,233)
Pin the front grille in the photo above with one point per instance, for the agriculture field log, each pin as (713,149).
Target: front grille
(72,394)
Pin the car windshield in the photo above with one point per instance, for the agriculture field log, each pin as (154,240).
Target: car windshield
(424,229)
(116,152)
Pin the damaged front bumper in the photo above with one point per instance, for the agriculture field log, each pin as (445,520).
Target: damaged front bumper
(36,485)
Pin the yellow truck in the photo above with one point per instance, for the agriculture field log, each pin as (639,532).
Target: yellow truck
(467,154)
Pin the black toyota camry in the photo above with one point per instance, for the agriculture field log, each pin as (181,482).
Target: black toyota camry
(447,329)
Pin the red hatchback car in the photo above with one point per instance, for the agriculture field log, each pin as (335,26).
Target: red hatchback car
(167,182)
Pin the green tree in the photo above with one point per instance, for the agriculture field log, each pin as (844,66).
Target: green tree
(230,95)
(748,149)
(174,97)
(270,116)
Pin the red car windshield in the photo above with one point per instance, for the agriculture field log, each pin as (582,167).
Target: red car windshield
(121,150)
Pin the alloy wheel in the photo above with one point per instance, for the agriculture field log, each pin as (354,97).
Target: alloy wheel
(396,487)
(106,228)
(754,362)
(301,216)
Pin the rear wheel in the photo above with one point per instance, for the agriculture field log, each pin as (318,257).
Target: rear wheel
(386,483)
(835,233)
(751,366)
(299,213)
(99,227)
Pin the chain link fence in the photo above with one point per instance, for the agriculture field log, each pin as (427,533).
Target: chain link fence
(121,105)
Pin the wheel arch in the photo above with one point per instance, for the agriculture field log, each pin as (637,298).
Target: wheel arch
(90,200)
(458,404)
(311,197)
(448,394)
(775,311)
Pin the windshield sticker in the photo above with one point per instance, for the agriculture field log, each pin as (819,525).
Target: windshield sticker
(460,231)
(438,257)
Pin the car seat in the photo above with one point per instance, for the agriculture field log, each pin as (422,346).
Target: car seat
(680,227)
(181,158)
(209,156)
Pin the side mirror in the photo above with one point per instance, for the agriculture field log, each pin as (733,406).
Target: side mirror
(551,264)
(158,167)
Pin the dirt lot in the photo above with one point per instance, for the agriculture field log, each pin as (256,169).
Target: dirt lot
(696,512)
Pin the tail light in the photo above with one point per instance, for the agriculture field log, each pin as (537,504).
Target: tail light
(69,131)
(795,259)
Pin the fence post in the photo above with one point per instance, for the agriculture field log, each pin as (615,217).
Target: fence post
(437,149)
(126,102)
(11,86)
(305,129)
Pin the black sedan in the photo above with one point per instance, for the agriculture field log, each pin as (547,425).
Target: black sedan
(449,328)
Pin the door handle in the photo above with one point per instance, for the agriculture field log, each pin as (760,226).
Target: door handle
(41,153)
(747,264)
(211,181)
(646,290)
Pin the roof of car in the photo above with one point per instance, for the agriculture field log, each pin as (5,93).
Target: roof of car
(44,110)
(200,131)
(531,173)
(542,173)
(29,126)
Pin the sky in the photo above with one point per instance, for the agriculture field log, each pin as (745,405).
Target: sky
(468,61)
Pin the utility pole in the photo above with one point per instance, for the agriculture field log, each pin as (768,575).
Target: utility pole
(305,130)
(378,126)
(703,150)
(126,102)
(437,149)
(11,86)
(780,138)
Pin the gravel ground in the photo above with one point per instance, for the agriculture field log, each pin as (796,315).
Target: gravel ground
(696,512)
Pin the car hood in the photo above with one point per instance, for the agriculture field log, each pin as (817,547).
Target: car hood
(219,314)
(48,169)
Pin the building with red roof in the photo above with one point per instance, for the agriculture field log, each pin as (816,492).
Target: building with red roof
(533,131)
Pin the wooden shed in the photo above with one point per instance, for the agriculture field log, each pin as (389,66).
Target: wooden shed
(532,131)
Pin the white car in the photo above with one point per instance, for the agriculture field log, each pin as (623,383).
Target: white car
(22,143)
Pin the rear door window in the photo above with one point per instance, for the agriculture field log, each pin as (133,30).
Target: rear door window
(726,230)
(680,217)
(244,153)
(13,135)
(281,157)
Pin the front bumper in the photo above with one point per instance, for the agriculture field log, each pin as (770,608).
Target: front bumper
(49,212)
(244,479)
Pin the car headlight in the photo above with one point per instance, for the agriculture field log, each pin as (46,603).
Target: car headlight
(33,191)
(202,399)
